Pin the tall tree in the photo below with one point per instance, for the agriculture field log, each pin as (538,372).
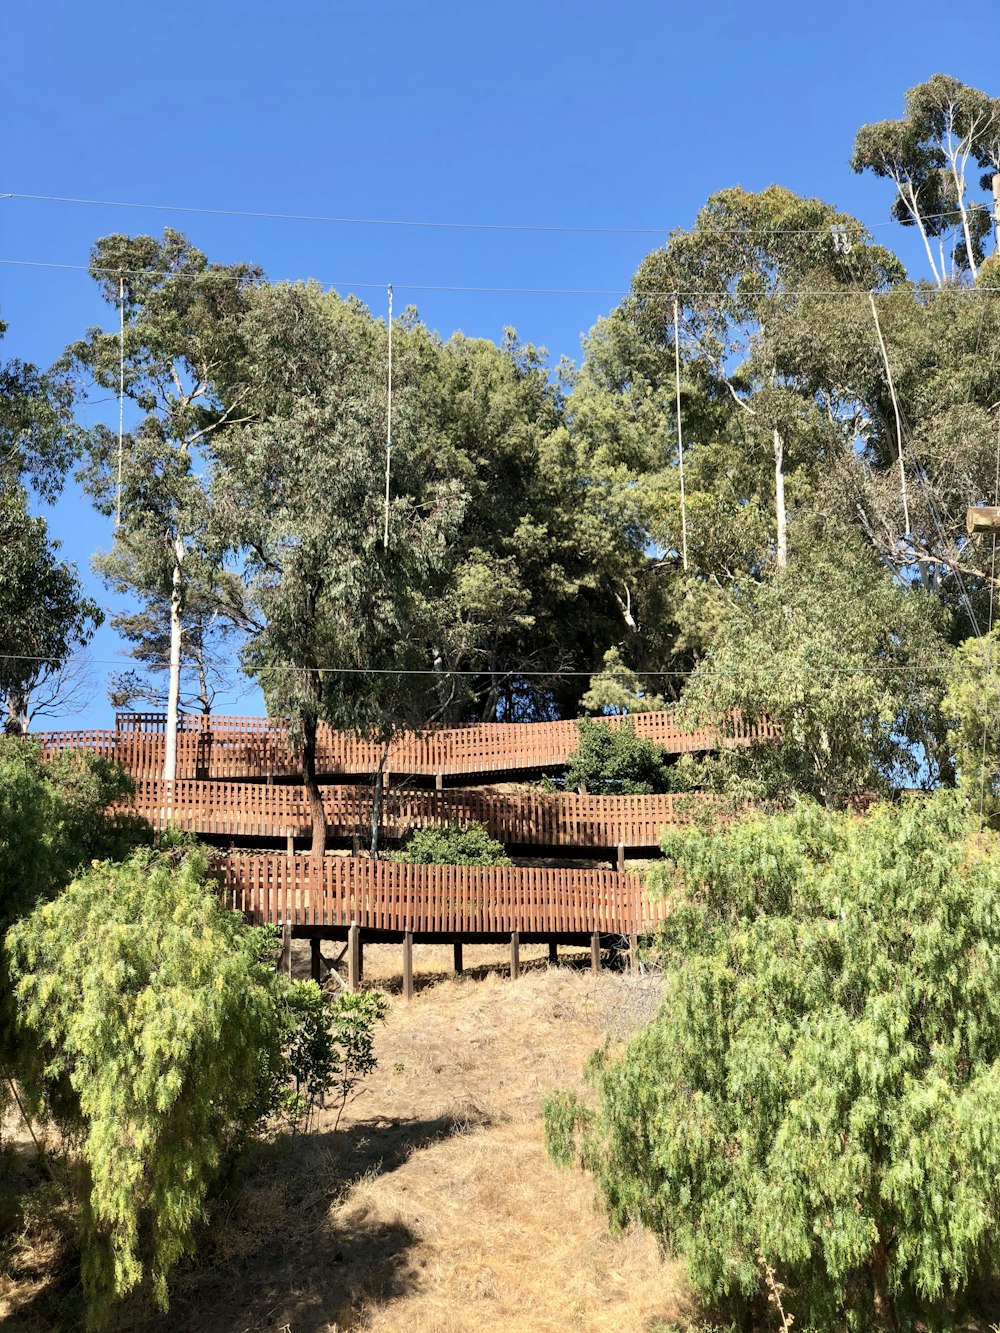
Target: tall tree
(181,336)
(299,491)
(947,130)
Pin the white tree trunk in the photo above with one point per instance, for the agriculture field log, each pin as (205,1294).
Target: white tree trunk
(996,209)
(779,498)
(174,688)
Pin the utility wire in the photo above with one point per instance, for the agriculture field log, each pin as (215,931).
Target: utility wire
(431,225)
(667,294)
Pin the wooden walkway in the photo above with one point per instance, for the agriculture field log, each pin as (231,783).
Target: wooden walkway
(565,820)
(258,749)
(333,893)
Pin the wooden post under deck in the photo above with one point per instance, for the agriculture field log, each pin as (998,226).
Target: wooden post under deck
(408,966)
(553,951)
(515,956)
(286,948)
(315,959)
(595,952)
(458,958)
(633,953)
(353,958)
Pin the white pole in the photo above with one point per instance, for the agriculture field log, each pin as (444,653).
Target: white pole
(388,432)
(121,396)
(680,440)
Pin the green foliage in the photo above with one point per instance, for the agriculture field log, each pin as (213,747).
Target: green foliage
(453,845)
(332,1047)
(820,1091)
(44,616)
(842,660)
(157,1025)
(614,759)
(617,689)
(971,706)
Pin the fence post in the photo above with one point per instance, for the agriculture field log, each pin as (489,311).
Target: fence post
(458,958)
(315,959)
(515,955)
(595,952)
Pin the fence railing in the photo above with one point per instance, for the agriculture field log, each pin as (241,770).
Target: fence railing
(562,819)
(339,891)
(234,748)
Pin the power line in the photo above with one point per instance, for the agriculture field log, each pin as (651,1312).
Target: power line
(554,673)
(520,291)
(446,225)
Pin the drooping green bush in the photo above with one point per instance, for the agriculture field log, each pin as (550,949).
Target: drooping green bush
(158,1035)
(453,845)
(820,1092)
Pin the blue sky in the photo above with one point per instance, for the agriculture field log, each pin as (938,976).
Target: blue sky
(546,115)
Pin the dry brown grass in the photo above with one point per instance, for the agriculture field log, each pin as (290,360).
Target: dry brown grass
(434,1207)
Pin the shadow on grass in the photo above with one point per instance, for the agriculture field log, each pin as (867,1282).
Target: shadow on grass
(273,1256)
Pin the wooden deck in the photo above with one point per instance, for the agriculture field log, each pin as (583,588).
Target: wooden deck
(333,893)
(521,819)
(258,749)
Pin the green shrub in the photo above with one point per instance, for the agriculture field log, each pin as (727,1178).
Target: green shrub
(159,1036)
(820,1092)
(453,845)
(615,759)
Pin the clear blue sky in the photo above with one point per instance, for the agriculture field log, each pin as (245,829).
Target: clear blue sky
(583,115)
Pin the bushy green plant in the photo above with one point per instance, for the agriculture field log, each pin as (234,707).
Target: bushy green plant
(615,759)
(332,1048)
(158,1036)
(819,1096)
(453,845)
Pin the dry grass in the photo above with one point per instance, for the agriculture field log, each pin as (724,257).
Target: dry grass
(434,1207)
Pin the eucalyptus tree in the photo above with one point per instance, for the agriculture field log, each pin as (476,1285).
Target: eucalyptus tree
(947,130)
(723,289)
(346,624)
(179,338)
(45,619)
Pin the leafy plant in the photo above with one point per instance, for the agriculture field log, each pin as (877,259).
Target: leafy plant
(453,845)
(332,1047)
(615,759)
(157,1026)
(819,1095)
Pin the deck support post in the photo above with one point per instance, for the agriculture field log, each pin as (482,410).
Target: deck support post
(315,958)
(620,867)
(439,781)
(286,947)
(458,957)
(290,842)
(633,953)
(353,958)
(553,951)
(515,955)
(408,966)
(595,952)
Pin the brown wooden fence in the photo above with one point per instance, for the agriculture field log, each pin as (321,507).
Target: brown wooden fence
(258,748)
(340,891)
(528,818)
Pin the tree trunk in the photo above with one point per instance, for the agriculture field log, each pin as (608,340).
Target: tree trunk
(885,1312)
(314,796)
(779,498)
(377,802)
(996,210)
(174,690)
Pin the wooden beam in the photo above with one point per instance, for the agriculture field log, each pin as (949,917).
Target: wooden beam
(315,959)
(633,953)
(353,959)
(286,947)
(408,966)
(515,955)
(458,958)
(621,859)
(553,951)
(595,952)
(982,518)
